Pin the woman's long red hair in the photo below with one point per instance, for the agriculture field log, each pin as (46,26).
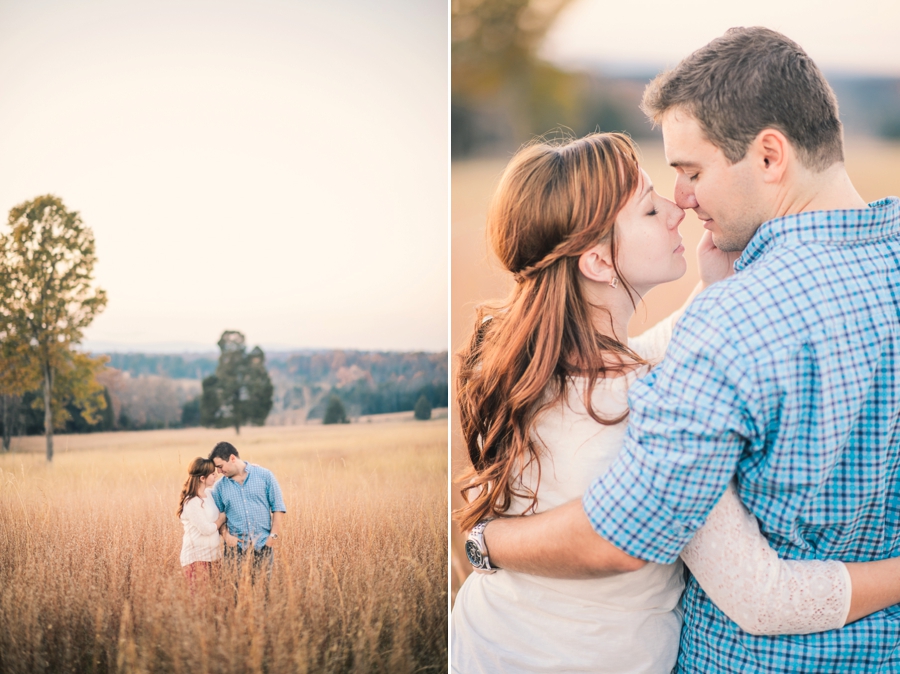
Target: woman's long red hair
(554,202)
(199,469)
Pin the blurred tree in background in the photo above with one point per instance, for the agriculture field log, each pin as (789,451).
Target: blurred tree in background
(190,413)
(503,93)
(422,412)
(48,299)
(240,392)
(335,412)
(18,375)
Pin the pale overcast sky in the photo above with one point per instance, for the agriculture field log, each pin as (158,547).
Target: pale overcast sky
(858,36)
(278,168)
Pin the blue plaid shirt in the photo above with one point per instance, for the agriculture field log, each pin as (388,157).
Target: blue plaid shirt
(788,375)
(249,506)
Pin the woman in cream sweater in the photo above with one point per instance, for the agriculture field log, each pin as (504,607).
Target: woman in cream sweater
(201,545)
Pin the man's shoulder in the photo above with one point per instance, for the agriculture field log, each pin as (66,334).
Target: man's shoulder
(260,472)
(760,295)
(720,308)
(220,487)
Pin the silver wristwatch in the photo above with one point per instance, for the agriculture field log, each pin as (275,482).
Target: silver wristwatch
(476,550)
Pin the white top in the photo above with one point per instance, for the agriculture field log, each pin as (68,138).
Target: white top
(509,622)
(201,536)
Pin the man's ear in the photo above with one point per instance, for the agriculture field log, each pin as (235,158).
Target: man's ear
(771,151)
(595,264)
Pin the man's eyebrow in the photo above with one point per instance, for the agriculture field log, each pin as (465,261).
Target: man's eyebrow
(677,163)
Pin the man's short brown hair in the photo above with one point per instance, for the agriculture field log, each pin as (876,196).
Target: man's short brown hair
(223,450)
(748,80)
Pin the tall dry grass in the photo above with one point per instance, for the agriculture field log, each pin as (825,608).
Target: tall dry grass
(90,579)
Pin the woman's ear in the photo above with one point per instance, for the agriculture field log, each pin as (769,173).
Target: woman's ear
(595,264)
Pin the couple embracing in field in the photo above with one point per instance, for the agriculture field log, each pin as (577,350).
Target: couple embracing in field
(244,507)
(719,494)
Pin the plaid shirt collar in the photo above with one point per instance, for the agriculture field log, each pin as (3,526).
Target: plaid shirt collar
(878,221)
(246,470)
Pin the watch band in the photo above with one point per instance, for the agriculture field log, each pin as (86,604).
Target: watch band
(476,550)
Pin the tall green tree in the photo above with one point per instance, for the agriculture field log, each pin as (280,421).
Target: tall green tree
(240,392)
(47,267)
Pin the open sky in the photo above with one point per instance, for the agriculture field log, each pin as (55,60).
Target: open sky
(274,167)
(850,37)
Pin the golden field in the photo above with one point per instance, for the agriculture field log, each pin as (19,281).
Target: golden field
(476,276)
(90,544)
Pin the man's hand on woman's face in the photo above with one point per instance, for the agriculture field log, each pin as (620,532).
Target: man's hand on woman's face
(715,265)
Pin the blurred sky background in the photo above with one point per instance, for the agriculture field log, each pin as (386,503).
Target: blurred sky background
(278,168)
(849,37)
(525,67)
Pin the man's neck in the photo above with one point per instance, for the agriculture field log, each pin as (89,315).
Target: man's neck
(826,191)
(242,473)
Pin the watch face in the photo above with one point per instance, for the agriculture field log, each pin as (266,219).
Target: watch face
(474,554)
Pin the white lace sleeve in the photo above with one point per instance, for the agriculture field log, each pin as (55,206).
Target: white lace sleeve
(763,594)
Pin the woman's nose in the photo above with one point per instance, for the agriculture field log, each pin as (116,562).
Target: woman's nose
(677,216)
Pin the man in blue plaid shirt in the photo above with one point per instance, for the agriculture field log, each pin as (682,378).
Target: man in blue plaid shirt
(250,497)
(785,375)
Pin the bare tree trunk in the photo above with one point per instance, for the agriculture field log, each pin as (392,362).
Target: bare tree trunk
(236,412)
(48,411)
(7,421)
(12,419)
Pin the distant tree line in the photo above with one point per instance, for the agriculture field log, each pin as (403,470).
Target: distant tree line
(319,366)
(153,391)
(163,365)
(365,382)
(29,419)
(362,398)
(131,403)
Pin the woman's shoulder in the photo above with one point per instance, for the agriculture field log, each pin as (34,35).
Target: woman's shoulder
(193,503)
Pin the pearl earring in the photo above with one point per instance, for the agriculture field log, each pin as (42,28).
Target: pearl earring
(614,282)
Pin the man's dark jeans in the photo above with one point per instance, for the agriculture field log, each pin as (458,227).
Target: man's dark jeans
(261,561)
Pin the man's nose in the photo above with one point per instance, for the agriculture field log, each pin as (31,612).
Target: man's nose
(684,192)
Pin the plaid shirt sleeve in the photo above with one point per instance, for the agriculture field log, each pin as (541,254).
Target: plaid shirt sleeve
(687,429)
(216,494)
(273,493)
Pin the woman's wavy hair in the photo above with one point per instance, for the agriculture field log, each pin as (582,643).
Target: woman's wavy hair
(555,201)
(199,469)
